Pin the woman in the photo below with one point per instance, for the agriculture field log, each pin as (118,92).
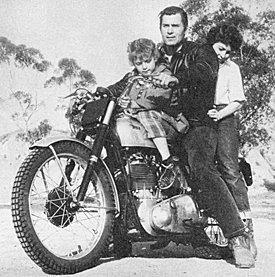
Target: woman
(229,99)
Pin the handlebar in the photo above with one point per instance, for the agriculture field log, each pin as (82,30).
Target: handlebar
(103,92)
(150,78)
(80,99)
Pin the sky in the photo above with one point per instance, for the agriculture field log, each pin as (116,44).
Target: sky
(93,32)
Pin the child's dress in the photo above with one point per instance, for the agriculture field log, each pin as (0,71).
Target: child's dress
(148,102)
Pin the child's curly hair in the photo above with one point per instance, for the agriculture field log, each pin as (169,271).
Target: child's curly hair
(227,34)
(143,49)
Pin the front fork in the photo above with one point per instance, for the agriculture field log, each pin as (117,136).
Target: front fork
(96,150)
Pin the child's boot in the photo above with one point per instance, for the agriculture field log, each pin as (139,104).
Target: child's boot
(167,178)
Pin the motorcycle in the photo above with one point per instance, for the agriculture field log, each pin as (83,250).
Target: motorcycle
(78,199)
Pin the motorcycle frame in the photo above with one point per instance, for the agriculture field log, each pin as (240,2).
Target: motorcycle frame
(100,139)
(102,129)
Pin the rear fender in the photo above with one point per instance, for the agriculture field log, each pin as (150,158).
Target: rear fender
(46,142)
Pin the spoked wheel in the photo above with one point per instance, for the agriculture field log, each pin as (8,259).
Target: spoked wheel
(215,234)
(216,245)
(59,236)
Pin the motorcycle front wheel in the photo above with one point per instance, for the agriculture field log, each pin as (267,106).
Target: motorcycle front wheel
(57,236)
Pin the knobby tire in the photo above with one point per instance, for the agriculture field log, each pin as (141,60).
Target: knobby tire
(23,220)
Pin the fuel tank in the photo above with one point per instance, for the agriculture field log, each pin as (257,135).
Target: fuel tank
(132,133)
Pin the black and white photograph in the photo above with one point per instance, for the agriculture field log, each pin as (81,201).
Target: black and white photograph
(137,138)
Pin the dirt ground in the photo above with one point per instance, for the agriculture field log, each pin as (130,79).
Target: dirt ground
(170,261)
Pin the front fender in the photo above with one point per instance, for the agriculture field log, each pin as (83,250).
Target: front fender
(46,142)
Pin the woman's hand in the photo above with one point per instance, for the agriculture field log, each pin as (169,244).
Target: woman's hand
(214,114)
(230,109)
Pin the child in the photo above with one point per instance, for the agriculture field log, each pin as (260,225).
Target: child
(146,101)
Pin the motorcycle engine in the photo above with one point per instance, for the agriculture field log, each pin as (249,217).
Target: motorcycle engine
(170,210)
(143,173)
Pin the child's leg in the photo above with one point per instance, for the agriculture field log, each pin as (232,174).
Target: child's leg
(151,121)
(162,146)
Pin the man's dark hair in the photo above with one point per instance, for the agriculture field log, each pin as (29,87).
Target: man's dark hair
(174,10)
(227,34)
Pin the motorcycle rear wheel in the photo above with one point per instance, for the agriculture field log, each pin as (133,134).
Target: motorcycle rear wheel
(216,245)
(56,237)
(212,252)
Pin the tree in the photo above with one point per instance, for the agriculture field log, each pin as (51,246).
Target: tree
(70,74)
(256,60)
(22,117)
(22,56)
(26,109)
(42,130)
(13,60)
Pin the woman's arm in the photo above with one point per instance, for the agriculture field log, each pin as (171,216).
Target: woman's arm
(228,110)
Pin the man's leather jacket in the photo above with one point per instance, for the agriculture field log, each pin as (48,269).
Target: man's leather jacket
(196,67)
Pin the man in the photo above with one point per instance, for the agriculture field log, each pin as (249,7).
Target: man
(195,70)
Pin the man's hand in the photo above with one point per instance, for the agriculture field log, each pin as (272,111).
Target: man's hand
(164,80)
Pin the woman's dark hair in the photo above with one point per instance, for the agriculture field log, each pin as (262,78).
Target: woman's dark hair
(174,10)
(227,34)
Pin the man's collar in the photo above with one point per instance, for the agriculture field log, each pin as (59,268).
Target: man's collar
(177,48)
